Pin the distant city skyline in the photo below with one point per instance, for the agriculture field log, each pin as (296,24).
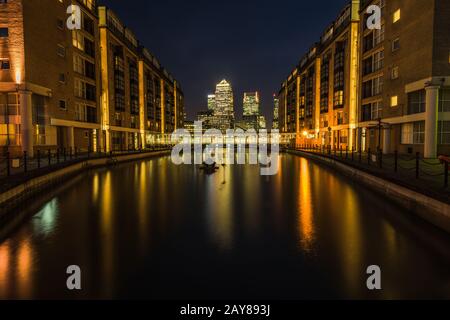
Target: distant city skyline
(204,42)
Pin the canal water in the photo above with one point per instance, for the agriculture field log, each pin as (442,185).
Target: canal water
(153,230)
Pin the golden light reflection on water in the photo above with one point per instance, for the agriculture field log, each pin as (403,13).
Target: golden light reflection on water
(4,268)
(220,207)
(350,240)
(107,238)
(95,187)
(143,205)
(23,275)
(305,207)
(251,200)
(16,270)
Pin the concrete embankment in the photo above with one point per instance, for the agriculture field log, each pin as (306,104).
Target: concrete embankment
(430,209)
(31,187)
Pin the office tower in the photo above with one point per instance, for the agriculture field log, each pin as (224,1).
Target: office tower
(251,104)
(276,103)
(262,122)
(224,112)
(211,102)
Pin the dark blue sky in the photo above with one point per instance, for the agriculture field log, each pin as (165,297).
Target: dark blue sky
(252,43)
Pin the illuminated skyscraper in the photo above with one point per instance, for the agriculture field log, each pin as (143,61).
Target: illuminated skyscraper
(276,103)
(212,102)
(251,104)
(261,122)
(224,111)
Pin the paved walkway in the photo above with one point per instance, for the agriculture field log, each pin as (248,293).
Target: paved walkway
(422,175)
(36,167)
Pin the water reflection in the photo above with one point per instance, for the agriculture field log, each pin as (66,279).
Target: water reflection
(45,220)
(305,207)
(155,230)
(23,274)
(219,204)
(16,270)
(107,235)
(145,190)
(4,268)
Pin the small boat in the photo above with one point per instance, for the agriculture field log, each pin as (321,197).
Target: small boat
(209,168)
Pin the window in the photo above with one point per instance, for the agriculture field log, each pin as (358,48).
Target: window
(395,45)
(88,25)
(62,77)
(407,133)
(91,92)
(376,109)
(394,73)
(419,132)
(340,118)
(89,3)
(368,42)
(61,50)
(339,80)
(343,136)
(80,112)
(89,70)
(377,86)
(367,66)
(339,99)
(444,132)
(78,65)
(394,101)
(378,35)
(444,100)
(366,112)
(4,64)
(89,48)
(367,89)
(378,61)
(62,104)
(91,114)
(78,40)
(80,89)
(134,87)
(4,32)
(60,24)
(416,102)
(396,16)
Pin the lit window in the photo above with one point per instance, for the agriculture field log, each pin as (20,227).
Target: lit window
(394,101)
(396,16)
(407,133)
(394,73)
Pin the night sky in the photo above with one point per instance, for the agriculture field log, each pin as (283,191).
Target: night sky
(254,44)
